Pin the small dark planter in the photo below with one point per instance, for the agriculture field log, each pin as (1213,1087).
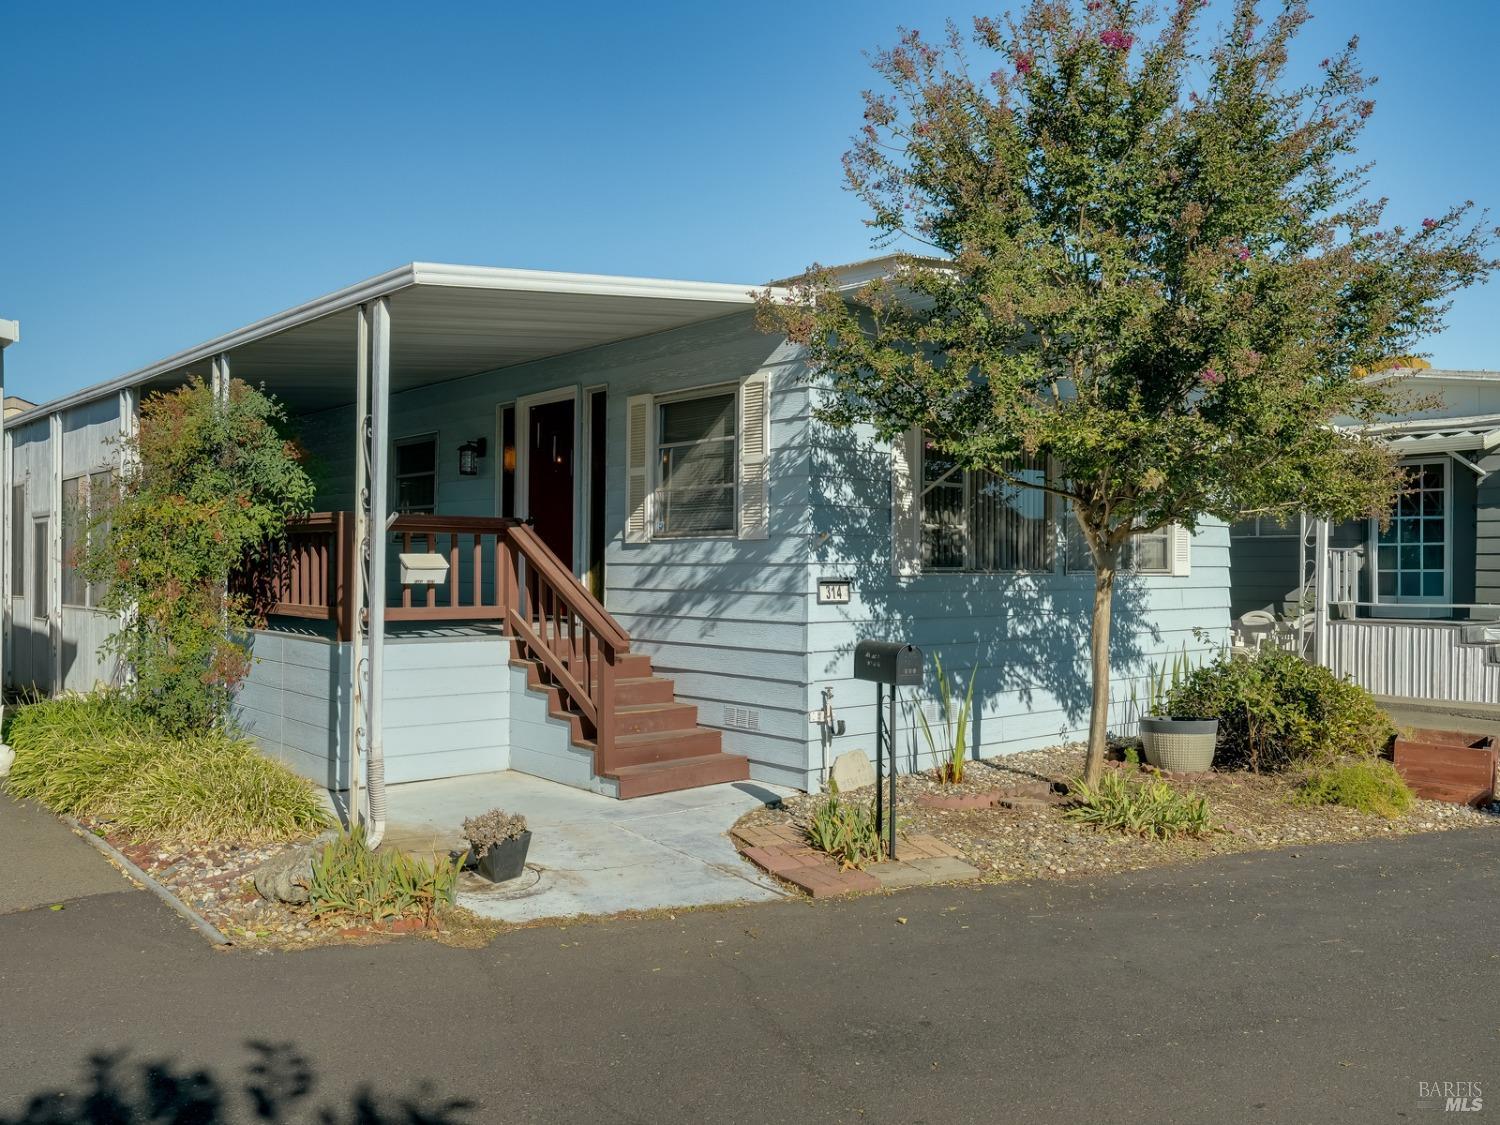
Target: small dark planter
(505,860)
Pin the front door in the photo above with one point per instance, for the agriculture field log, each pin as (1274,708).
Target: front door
(549,475)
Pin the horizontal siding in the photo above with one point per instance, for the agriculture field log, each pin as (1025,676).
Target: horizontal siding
(1487,534)
(1263,573)
(446,705)
(1024,637)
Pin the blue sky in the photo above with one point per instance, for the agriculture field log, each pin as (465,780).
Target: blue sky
(168,173)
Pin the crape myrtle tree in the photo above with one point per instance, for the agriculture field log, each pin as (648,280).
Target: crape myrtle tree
(205,483)
(1146,256)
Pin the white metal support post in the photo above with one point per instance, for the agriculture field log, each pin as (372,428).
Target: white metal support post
(130,426)
(380,440)
(55,550)
(357,593)
(1320,594)
(10,332)
(218,378)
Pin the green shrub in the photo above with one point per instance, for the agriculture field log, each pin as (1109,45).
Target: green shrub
(1138,806)
(94,756)
(352,883)
(1371,786)
(207,482)
(845,831)
(1277,710)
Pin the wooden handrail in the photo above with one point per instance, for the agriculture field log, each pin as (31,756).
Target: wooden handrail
(436,525)
(537,554)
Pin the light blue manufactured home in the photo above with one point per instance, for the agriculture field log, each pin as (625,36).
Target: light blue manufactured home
(652,562)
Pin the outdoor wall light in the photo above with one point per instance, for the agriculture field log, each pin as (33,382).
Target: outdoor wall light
(469,454)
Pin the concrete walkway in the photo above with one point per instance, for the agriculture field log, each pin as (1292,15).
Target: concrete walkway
(591,854)
(42,863)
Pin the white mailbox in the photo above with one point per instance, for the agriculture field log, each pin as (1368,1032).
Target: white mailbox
(423,568)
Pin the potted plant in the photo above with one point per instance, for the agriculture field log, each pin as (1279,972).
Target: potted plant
(497,844)
(1176,744)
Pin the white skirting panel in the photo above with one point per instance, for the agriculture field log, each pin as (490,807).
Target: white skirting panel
(1415,660)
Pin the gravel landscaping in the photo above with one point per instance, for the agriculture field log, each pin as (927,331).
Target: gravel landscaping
(1033,840)
(215,881)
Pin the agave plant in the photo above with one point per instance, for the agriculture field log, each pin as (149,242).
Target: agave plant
(1163,679)
(954,751)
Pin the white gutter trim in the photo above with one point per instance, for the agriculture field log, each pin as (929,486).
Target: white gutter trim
(10,332)
(580,284)
(404,277)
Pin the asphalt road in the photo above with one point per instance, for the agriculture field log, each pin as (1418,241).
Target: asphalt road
(1317,986)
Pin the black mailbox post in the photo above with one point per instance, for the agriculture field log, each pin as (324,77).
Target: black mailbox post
(899,665)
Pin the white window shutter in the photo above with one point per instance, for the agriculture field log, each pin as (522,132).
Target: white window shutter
(906,508)
(1180,548)
(755,458)
(638,414)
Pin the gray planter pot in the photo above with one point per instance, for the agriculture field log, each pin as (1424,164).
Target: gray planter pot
(1179,745)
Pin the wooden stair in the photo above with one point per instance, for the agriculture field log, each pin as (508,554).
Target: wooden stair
(659,746)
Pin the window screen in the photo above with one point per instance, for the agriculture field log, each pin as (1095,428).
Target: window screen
(696,466)
(978,520)
(17,541)
(41,548)
(75,517)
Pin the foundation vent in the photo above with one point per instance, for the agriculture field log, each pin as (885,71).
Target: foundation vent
(741,718)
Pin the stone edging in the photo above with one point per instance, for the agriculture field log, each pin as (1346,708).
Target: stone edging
(202,924)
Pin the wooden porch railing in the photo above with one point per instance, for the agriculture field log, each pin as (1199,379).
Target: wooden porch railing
(307,575)
(498,570)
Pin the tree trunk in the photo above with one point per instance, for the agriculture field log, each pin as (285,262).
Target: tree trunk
(1104,590)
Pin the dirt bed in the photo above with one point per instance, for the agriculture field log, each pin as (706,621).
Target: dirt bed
(1252,812)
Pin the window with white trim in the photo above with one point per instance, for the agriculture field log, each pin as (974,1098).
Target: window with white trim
(695,465)
(1145,552)
(416,475)
(1411,552)
(972,519)
(698,462)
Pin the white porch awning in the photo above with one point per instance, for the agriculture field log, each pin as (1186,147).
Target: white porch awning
(1477,433)
(447,321)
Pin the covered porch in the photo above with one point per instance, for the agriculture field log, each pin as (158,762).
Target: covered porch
(452,592)
(1409,609)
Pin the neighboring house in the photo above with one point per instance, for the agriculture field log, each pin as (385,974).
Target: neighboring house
(702,559)
(15,404)
(1406,605)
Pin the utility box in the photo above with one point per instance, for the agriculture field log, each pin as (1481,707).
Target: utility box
(423,568)
(888,662)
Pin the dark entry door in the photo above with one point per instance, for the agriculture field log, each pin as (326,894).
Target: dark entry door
(549,488)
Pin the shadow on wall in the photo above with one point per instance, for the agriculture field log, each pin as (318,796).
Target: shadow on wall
(1026,634)
(278,1085)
